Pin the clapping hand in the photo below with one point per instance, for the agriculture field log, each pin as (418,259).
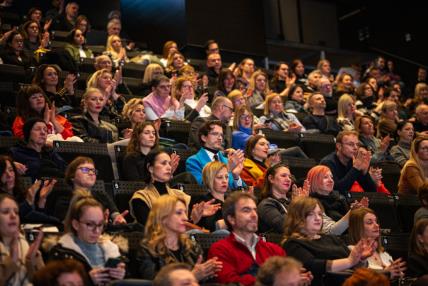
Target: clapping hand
(207,269)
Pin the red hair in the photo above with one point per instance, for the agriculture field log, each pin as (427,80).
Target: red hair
(316,175)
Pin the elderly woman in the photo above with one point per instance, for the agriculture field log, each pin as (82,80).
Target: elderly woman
(165,241)
(32,102)
(47,77)
(363,224)
(76,46)
(346,113)
(404,137)
(89,125)
(159,100)
(278,119)
(415,172)
(319,253)
(18,261)
(83,241)
(40,160)
(114,102)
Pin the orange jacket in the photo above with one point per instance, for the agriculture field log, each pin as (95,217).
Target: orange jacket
(18,127)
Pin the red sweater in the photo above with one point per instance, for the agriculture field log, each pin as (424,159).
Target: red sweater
(238,261)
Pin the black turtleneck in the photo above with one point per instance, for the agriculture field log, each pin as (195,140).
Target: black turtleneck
(141,209)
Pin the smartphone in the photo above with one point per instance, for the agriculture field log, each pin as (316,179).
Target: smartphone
(112,262)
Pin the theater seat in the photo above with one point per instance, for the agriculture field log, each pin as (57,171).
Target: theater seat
(122,194)
(205,240)
(281,138)
(317,146)
(407,205)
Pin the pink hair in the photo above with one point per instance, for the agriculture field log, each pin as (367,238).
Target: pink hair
(315,176)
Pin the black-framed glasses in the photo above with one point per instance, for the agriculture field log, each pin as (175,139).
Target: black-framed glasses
(216,134)
(92,226)
(231,108)
(87,170)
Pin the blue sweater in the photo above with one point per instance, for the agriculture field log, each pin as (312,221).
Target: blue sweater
(240,137)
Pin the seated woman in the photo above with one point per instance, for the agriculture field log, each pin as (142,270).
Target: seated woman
(76,46)
(175,63)
(47,76)
(257,160)
(116,50)
(363,224)
(258,90)
(414,173)
(32,201)
(188,108)
(346,112)
(404,137)
(83,241)
(168,48)
(387,125)
(81,175)
(242,127)
(216,179)
(82,23)
(144,139)
(225,84)
(114,102)
(366,134)
(296,100)
(417,262)
(159,100)
(132,114)
(18,261)
(319,253)
(278,119)
(152,70)
(89,125)
(40,160)
(422,212)
(165,241)
(13,52)
(64,272)
(33,37)
(32,102)
(158,169)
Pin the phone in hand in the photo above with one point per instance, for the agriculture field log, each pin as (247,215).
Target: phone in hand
(112,262)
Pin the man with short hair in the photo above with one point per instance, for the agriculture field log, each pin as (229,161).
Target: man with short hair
(243,251)
(421,122)
(211,139)
(66,21)
(222,110)
(317,119)
(349,163)
(176,274)
(211,46)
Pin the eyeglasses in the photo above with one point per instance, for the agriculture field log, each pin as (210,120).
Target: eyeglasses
(231,108)
(86,170)
(245,116)
(168,86)
(352,144)
(93,226)
(216,134)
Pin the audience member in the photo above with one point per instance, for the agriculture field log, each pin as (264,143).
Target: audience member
(319,253)
(175,64)
(76,46)
(89,126)
(132,114)
(404,137)
(225,84)
(282,79)
(346,113)
(243,123)
(18,260)
(349,164)
(168,48)
(387,124)
(61,273)
(211,139)
(365,95)
(34,39)
(214,66)
(82,23)
(159,100)
(115,49)
(242,252)
(413,174)
(244,71)
(317,120)
(83,241)
(295,102)
(422,212)
(363,224)
(40,160)
(14,53)
(165,241)
(221,110)
(366,277)
(297,70)
(257,90)
(417,262)
(421,122)
(175,274)
(66,21)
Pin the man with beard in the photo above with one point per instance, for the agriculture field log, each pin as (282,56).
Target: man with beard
(243,251)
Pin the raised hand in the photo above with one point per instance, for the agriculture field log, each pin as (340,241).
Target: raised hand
(120,219)
(175,161)
(31,192)
(202,102)
(384,143)
(45,191)
(47,114)
(33,252)
(396,268)
(69,82)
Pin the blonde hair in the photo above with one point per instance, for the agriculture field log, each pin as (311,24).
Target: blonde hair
(130,107)
(210,171)
(148,72)
(342,105)
(268,100)
(295,221)
(233,95)
(178,84)
(109,47)
(253,78)
(418,98)
(88,92)
(414,160)
(93,80)
(155,235)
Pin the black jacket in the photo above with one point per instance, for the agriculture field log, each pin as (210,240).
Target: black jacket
(85,127)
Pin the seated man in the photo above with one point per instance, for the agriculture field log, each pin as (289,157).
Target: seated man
(317,120)
(349,164)
(242,252)
(211,139)
(421,122)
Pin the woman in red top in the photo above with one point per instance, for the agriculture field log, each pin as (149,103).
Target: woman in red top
(32,102)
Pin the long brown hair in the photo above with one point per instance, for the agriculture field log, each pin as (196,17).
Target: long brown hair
(415,246)
(134,142)
(356,226)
